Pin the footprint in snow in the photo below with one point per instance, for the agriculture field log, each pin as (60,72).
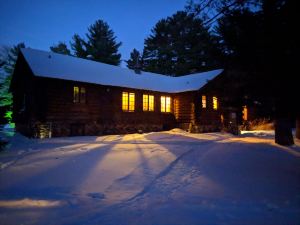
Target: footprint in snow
(96,195)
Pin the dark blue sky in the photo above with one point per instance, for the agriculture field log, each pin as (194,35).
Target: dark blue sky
(42,23)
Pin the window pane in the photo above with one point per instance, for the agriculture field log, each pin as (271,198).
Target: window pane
(145,102)
(131,102)
(168,104)
(76,94)
(125,101)
(245,113)
(151,102)
(215,103)
(203,101)
(82,95)
(162,103)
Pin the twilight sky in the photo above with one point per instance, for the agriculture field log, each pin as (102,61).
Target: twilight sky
(42,23)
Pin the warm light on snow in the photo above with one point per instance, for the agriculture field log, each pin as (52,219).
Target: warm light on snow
(25,203)
(160,178)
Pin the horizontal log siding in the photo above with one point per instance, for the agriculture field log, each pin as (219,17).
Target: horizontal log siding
(207,119)
(49,104)
(185,109)
(102,112)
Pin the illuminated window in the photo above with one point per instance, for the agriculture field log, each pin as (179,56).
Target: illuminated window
(162,103)
(203,101)
(131,101)
(151,102)
(76,94)
(79,94)
(165,104)
(145,102)
(128,101)
(148,102)
(245,113)
(125,101)
(215,103)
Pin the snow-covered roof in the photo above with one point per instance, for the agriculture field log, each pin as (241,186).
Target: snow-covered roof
(53,65)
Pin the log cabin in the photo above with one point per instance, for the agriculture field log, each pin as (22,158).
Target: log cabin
(58,95)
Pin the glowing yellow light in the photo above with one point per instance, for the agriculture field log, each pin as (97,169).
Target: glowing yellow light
(245,113)
(148,102)
(151,103)
(168,104)
(215,103)
(162,103)
(165,104)
(131,101)
(26,203)
(125,101)
(128,101)
(75,94)
(203,101)
(145,103)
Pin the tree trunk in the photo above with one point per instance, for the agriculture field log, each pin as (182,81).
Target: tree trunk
(298,127)
(283,132)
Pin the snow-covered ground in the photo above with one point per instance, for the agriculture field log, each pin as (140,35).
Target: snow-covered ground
(169,177)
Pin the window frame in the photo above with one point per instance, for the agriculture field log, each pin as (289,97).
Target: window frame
(165,103)
(245,113)
(203,101)
(147,106)
(79,96)
(128,107)
(215,103)
(76,98)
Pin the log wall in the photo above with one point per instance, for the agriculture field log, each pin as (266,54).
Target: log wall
(49,107)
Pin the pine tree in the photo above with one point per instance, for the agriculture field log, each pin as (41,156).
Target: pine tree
(135,62)
(100,44)
(79,46)
(7,68)
(60,48)
(180,45)
(263,43)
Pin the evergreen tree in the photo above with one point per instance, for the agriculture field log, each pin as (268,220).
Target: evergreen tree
(242,37)
(7,68)
(210,11)
(60,48)
(100,45)
(263,44)
(78,45)
(180,45)
(135,62)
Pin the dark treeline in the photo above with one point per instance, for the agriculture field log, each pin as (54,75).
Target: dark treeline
(258,40)
(255,41)
(98,45)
